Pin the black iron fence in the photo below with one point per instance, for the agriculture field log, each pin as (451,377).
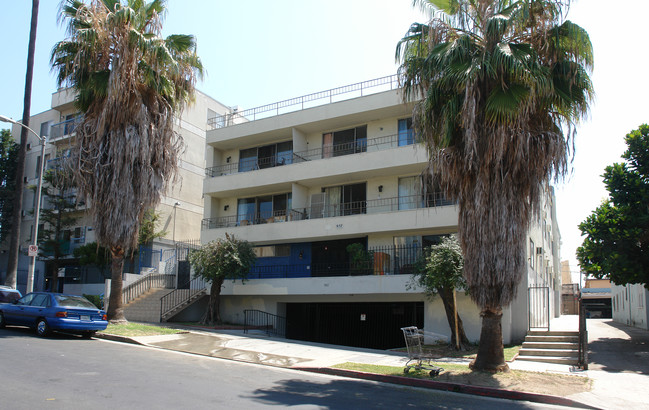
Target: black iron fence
(373,206)
(583,338)
(267,322)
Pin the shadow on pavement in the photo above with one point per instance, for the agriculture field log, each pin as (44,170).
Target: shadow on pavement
(614,347)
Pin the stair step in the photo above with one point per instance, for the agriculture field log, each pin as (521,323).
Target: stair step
(548,352)
(549,359)
(563,339)
(553,333)
(550,345)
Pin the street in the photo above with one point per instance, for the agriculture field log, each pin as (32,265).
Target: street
(65,371)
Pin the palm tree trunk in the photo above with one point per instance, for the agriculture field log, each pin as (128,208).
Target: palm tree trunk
(14,241)
(449,306)
(115,310)
(490,356)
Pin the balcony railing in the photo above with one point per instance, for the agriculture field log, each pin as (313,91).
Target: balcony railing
(307,101)
(62,129)
(337,150)
(384,260)
(372,206)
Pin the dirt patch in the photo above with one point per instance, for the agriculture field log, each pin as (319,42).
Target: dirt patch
(532,382)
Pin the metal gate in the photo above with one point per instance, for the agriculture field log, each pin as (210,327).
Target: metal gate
(538,299)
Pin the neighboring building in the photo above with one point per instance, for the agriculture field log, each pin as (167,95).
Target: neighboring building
(332,196)
(596,297)
(569,291)
(630,305)
(181,208)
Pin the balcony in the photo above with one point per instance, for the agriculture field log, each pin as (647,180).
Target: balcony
(384,260)
(375,206)
(324,152)
(63,129)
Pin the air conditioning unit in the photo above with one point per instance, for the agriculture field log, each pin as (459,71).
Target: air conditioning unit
(29,146)
(25,180)
(539,251)
(23,213)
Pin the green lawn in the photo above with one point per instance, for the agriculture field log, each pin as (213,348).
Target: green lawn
(136,329)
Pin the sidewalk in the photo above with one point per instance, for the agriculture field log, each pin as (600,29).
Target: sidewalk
(620,373)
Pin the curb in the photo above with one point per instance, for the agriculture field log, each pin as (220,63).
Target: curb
(450,387)
(115,338)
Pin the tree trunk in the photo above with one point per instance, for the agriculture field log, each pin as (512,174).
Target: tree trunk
(14,241)
(213,313)
(449,306)
(491,356)
(115,310)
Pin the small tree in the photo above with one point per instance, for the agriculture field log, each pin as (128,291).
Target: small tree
(439,272)
(224,258)
(91,254)
(616,243)
(8,158)
(58,193)
(148,231)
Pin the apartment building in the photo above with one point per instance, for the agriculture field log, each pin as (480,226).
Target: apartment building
(329,188)
(181,208)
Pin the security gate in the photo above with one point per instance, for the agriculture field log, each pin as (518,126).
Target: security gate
(538,299)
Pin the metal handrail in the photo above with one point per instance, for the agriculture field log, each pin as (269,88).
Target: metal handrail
(372,206)
(270,323)
(583,337)
(178,297)
(253,114)
(324,152)
(140,286)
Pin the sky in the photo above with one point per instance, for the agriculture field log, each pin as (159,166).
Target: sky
(259,52)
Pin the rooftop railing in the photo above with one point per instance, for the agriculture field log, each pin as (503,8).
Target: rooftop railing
(324,152)
(372,206)
(307,101)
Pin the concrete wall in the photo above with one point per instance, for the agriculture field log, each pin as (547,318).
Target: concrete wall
(630,305)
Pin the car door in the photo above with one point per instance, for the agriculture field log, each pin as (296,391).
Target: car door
(37,308)
(15,313)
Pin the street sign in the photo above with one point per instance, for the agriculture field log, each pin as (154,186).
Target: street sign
(33,250)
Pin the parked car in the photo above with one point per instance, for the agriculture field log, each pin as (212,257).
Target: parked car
(46,311)
(8,295)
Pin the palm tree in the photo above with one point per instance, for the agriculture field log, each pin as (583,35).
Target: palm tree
(501,85)
(129,83)
(14,241)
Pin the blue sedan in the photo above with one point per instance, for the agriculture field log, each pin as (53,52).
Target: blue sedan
(46,311)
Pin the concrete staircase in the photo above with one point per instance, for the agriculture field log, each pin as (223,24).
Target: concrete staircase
(188,297)
(146,307)
(561,347)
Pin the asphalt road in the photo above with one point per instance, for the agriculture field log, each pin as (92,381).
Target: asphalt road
(67,372)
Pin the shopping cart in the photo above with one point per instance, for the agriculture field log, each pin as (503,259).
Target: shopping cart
(416,355)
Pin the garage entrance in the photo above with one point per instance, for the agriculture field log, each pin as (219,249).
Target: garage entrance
(368,325)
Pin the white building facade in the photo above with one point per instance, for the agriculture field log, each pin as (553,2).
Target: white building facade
(333,199)
(629,305)
(180,209)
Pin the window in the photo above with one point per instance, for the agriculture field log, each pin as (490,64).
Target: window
(532,255)
(345,200)
(266,156)
(272,251)
(406,134)
(345,142)
(410,193)
(263,209)
(45,128)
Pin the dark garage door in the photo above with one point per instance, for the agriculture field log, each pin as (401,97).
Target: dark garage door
(369,325)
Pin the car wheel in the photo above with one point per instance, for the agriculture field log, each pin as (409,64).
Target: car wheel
(2,321)
(42,328)
(88,335)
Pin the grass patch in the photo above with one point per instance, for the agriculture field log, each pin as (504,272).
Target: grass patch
(441,350)
(137,329)
(518,380)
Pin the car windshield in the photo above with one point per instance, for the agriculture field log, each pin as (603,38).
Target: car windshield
(73,301)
